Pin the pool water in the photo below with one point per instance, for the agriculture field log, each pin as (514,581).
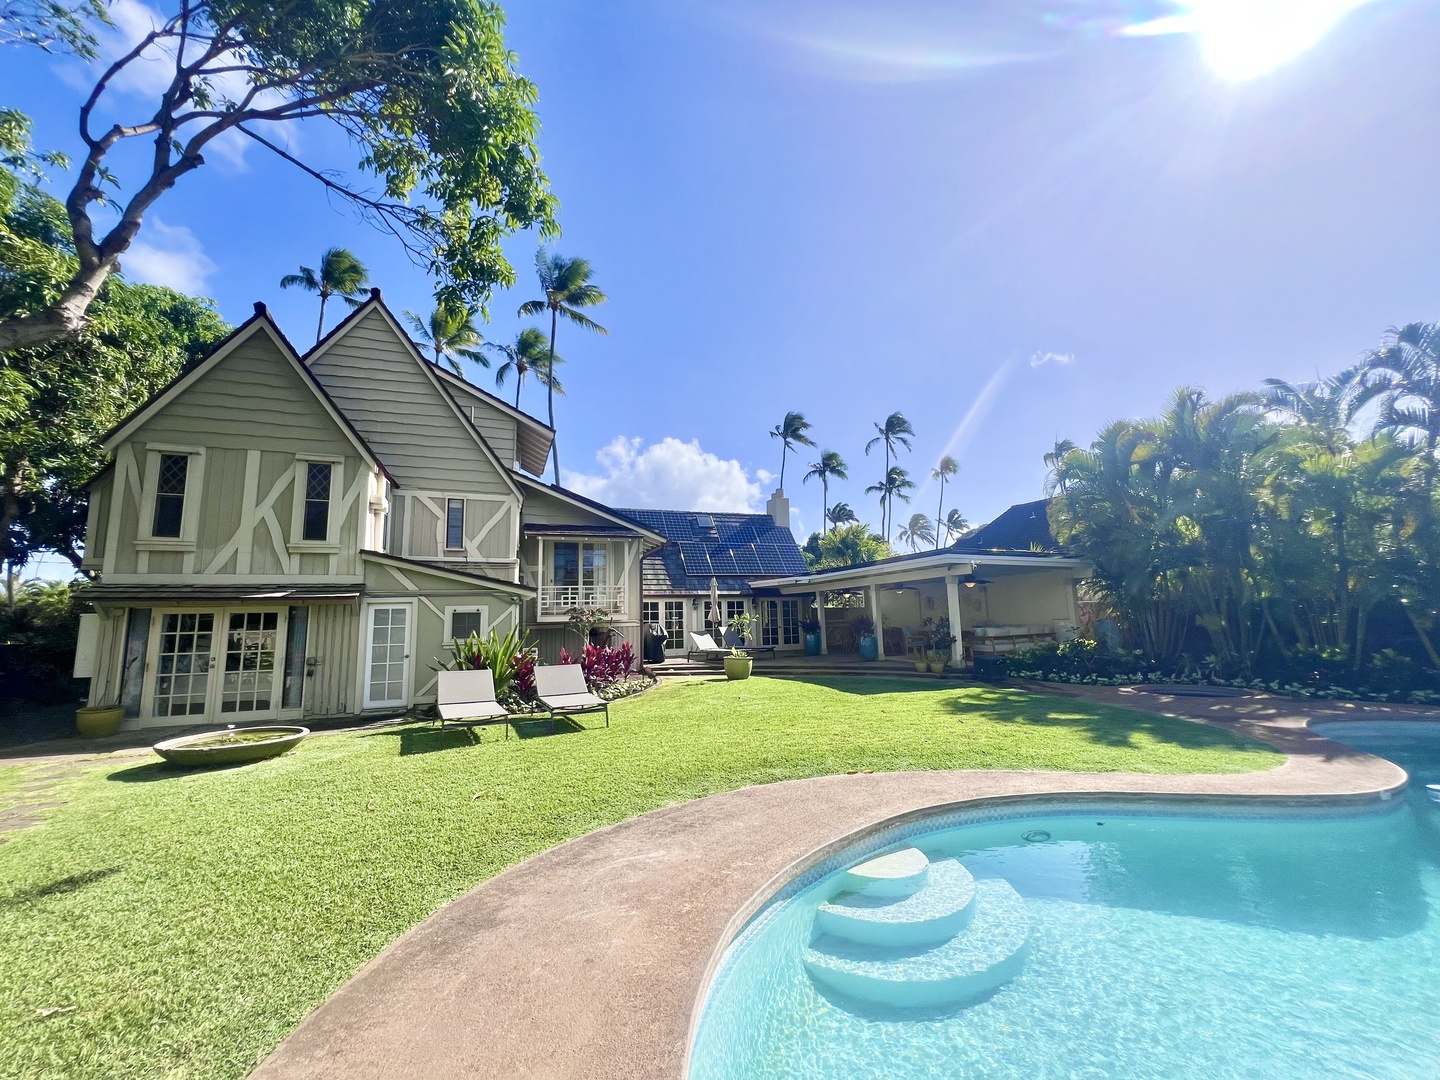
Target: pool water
(1110,941)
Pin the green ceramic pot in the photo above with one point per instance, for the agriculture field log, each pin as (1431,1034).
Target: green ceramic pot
(98,721)
(738,667)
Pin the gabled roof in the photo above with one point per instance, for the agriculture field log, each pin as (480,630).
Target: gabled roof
(375,303)
(260,322)
(533,437)
(1023,529)
(617,517)
(471,577)
(732,548)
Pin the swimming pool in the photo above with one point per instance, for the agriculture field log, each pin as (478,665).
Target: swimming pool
(1105,940)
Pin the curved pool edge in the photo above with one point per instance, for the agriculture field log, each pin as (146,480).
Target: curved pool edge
(789,879)
(594,958)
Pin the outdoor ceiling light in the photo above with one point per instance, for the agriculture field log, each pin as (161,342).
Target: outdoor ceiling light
(971,580)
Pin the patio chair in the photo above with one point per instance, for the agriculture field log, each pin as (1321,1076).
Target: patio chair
(704,646)
(733,641)
(561,689)
(468,698)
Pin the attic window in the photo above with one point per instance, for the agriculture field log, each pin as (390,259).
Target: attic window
(705,523)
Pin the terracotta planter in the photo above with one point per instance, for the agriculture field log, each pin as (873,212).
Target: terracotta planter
(738,667)
(96,721)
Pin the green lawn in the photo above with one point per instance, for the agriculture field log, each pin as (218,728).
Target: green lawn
(186,922)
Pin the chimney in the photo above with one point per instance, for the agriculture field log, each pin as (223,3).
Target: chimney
(779,508)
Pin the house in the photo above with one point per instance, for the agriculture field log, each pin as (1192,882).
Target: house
(1006,585)
(736,552)
(281,537)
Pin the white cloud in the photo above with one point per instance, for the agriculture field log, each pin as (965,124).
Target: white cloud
(168,255)
(1040,359)
(669,475)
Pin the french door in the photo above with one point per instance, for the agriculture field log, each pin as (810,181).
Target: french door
(218,664)
(388,629)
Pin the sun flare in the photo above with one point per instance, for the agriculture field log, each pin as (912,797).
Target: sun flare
(1244,39)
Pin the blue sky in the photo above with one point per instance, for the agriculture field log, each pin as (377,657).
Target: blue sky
(1012,221)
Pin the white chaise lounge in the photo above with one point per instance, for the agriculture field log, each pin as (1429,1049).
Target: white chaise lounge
(467,698)
(561,689)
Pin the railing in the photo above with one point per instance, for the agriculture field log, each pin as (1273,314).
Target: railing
(557,601)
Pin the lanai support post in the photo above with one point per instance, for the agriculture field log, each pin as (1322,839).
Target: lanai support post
(879,623)
(820,614)
(952,602)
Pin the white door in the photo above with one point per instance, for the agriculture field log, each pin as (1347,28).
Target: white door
(248,687)
(184,643)
(387,668)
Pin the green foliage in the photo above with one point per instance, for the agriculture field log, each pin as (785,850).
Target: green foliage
(37,643)
(341,274)
(528,355)
(57,400)
(452,334)
(502,655)
(792,433)
(1262,528)
(844,545)
(195,919)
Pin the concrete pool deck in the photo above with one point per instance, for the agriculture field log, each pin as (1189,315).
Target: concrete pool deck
(588,960)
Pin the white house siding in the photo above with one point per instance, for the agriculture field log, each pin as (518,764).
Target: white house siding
(399,408)
(498,426)
(432,594)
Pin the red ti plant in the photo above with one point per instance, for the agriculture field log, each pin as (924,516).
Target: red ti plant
(602,665)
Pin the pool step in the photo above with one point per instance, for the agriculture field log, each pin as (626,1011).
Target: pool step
(930,916)
(897,874)
(980,959)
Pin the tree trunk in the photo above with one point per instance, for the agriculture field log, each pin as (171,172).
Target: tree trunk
(320,326)
(550,371)
(63,319)
(519,382)
(1424,638)
(940,513)
(1274,630)
(10,481)
(1360,619)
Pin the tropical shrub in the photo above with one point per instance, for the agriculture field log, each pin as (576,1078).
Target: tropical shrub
(508,659)
(1081,657)
(862,625)
(37,644)
(603,666)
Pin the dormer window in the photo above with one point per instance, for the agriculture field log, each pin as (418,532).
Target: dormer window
(170,495)
(454,524)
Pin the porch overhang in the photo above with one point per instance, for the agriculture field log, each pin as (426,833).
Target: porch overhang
(209,592)
(929,567)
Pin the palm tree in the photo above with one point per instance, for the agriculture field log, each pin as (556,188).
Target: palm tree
(341,274)
(1053,461)
(791,433)
(450,332)
(567,289)
(947,468)
(918,530)
(830,465)
(528,354)
(954,525)
(840,515)
(895,431)
(896,483)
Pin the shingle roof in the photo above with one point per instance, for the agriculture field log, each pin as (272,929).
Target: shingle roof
(732,548)
(1024,528)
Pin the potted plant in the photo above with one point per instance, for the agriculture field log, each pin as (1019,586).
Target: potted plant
(939,655)
(99,721)
(591,624)
(864,628)
(810,627)
(738,665)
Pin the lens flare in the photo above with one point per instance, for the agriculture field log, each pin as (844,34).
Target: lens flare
(1244,39)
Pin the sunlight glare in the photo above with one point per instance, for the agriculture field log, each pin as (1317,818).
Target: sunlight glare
(1243,39)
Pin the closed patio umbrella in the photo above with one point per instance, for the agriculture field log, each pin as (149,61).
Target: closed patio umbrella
(715,605)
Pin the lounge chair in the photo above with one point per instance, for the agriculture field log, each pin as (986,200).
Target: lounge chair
(733,641)
(704,646)
(468,698)
(561,689)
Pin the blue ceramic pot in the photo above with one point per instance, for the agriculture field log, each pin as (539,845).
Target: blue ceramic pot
(812,644)
(869,647)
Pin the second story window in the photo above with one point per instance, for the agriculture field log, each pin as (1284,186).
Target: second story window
(318,476)
(170,495)
(454,524)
